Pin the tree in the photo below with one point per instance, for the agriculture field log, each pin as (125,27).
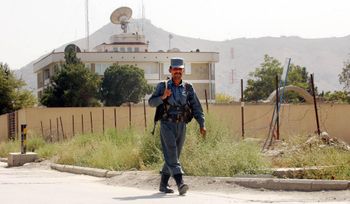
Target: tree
(337,96)
(72,86)
(344,76)
(263,80)
(12,97)
(123,83)
(298,76)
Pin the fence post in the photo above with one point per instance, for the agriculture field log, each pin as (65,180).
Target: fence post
(23,138)
(63,135)
(206,100)
(92,128)
(129,114)
(73,125)
(315,104)
(242,108)
(277,110)
(82,123)
(115,118)
(58,132)
(103,120)
(51,131)
(42,129)
(144,113)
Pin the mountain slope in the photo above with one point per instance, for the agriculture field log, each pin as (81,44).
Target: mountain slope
(324,57)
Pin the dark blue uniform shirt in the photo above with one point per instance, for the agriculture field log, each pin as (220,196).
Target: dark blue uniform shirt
(179,97)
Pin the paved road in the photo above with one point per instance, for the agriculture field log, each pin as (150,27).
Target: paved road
(33,184)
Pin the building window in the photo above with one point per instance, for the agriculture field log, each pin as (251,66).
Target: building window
(115,49)
(137,49)
(46,74)
(166,68)
(151,71)
(100,68)
(122,49)
(188,68)
(129,49)
(88,65)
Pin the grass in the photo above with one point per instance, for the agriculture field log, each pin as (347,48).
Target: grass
(11,146)
(112,150)
(221,154)
(305,154)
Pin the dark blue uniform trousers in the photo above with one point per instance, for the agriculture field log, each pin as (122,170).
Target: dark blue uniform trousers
(172,136)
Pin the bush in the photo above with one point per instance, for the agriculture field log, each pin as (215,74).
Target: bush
(302,154)
(112,150)
(223,98)
(221,153)
(34,143)
(10,146)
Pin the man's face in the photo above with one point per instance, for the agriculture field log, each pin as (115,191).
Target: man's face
(176,73)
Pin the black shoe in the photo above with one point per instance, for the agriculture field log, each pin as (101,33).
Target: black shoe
(164,187)
(183,188)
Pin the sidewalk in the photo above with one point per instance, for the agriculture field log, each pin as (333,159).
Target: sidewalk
(251,182)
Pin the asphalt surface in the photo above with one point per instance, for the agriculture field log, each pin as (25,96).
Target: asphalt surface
(39,184)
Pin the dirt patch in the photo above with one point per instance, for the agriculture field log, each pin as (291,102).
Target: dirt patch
(151,180)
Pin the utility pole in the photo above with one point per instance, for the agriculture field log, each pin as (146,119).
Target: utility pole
(170,37)
(87,25)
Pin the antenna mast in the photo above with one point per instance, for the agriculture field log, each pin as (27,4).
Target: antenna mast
(87,24)
(143,14)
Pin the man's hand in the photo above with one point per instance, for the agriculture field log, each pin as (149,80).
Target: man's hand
(203,131)
(167,93)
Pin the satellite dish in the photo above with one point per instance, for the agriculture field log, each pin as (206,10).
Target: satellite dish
(121,16)
(72,47)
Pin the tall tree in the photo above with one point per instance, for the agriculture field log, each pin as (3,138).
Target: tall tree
(124,83)
(298,76)
(12,96)
(73,85)
(263,80)
(344,76)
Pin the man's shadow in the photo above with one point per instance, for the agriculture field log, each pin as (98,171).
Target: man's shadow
(152,196)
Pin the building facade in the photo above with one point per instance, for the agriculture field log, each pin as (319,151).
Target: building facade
(133,49)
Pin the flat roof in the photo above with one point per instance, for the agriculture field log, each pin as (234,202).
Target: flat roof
(162,57)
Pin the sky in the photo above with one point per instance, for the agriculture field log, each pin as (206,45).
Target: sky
(30,29)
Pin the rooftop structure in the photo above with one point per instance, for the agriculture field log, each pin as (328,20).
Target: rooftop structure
(132,48)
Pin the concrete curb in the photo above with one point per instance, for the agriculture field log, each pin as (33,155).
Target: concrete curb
(293,184)
(85,170)
(297,172)
(3,160)
(266,183)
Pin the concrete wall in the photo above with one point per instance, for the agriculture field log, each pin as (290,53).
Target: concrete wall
(3,128)
(295,119)
(38,120)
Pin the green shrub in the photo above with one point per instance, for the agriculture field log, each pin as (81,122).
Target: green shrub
(10,146)
(34,142)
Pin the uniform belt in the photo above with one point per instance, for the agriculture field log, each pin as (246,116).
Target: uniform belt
(175,118)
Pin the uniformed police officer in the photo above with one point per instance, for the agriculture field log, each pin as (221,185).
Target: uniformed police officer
(176,93)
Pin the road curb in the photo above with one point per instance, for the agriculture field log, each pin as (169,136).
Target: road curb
(265,183)
(84,170)
(3,160)
(293,184)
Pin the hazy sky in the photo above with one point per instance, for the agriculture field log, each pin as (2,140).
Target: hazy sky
(31,28)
